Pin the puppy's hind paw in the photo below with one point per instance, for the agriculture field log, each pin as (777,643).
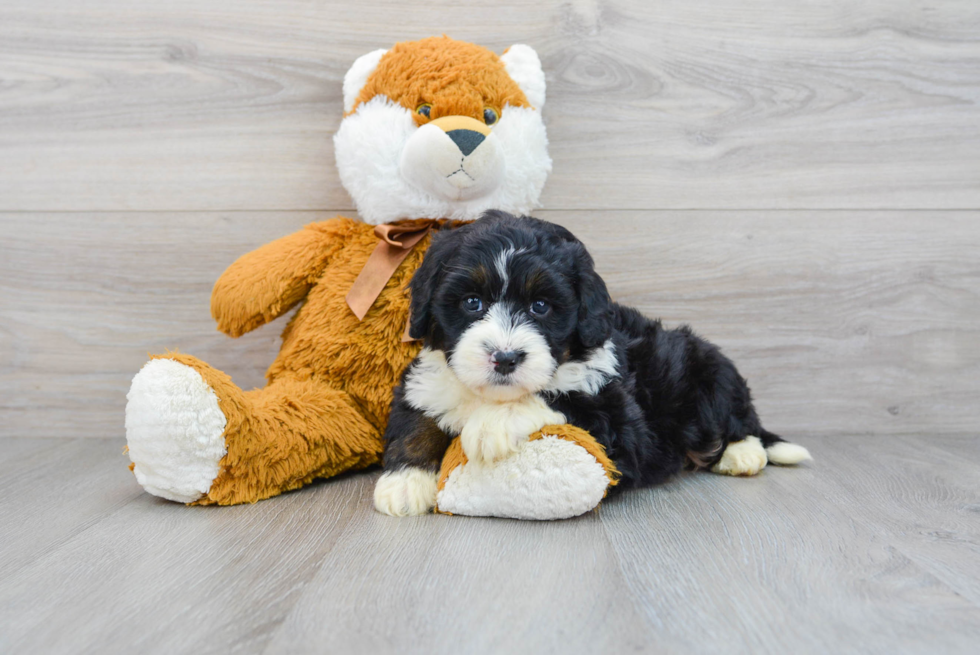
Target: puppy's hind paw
(406,492)
(784,453)
(746,457)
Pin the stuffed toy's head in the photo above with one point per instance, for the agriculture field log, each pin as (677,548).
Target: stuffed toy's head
(439,128)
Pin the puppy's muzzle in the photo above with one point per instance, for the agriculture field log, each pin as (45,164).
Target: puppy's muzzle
(505,361)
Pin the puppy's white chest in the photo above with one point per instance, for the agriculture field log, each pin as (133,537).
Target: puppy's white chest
(488,430)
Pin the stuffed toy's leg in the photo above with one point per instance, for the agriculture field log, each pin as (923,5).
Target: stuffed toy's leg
(195,437)
(560,472)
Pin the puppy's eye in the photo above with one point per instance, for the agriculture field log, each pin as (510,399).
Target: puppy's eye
(540,308)
(473,304)
(490,116)
(424,109)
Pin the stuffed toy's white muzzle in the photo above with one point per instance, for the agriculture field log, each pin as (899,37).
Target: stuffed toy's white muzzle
(453,157)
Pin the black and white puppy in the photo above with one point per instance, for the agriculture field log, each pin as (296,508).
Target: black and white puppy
(520,333)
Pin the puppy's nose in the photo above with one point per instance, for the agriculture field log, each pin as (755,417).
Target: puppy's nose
(505,361)
(466,140)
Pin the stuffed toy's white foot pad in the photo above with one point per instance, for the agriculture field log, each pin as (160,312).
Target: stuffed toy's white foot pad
(547,478)
(746,457)
(406,492)
(174,429)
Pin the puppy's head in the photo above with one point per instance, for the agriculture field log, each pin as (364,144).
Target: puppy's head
(508,300)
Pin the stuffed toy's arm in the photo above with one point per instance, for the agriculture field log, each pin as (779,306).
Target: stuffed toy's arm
(267,282)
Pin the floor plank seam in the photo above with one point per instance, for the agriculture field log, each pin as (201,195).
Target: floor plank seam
(67,539)
(305,587)
(938,576)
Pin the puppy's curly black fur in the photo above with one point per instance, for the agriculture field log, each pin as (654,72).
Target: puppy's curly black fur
(672,398)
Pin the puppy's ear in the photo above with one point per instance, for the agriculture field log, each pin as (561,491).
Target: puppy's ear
(595,313)
(426,280)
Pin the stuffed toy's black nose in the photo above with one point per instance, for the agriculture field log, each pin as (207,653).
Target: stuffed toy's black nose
(466,140)
(505,361)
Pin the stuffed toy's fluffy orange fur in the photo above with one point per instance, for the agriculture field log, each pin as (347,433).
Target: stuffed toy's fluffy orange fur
(433,129)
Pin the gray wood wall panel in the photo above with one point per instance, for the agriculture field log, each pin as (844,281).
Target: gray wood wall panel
(185,134)
(114,105)
(843,322)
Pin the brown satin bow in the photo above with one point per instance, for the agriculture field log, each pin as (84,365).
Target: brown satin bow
(395,241)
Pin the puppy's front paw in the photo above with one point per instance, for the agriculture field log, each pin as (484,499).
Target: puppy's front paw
(500,444)
(487,443)
(406,492)
(746,457)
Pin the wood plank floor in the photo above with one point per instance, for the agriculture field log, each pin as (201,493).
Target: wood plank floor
(874,548)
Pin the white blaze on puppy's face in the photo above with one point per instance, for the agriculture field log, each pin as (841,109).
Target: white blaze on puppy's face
(502,329)
(501,262)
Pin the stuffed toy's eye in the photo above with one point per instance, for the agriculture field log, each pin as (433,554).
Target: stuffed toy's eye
(540,308)
(424,109)
(489,116)
(473,304)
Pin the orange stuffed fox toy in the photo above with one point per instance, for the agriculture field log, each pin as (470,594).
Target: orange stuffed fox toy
(435,131)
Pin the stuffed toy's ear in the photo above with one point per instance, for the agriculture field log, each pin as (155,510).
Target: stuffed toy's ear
(357,76)
(595,314)
(524,67)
